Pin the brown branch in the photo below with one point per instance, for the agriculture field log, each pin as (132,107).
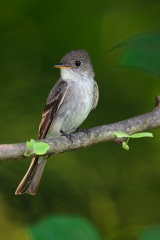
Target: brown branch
(99,134)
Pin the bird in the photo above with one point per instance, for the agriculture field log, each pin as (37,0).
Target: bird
(68,104)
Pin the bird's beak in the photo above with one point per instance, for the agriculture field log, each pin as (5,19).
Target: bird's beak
(61,66)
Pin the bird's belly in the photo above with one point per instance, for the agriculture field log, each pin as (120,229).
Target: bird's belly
(75,108)
(76,115)
(78,109)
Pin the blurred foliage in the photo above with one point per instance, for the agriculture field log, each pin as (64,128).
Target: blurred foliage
(8,227)
(152,233)
(64,228)
(143,52)
(116,190)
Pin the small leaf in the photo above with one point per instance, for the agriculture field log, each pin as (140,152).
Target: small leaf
(121,134)
(125,146)
(27,153)
(30,144)
(140,135)
(29,147)
(40,148)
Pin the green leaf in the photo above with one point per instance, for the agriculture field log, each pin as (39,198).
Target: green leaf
(142,134)
(30,144)
(27,153)
(141,51)
(40,148)
(120,134)
(29,147)
(125,146)
(64,228)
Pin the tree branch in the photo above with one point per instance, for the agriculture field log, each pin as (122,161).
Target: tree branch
(99,134)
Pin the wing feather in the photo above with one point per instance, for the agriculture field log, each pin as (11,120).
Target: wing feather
(96,96)
(53,103)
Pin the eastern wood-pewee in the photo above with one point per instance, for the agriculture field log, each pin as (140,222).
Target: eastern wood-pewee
(69,102)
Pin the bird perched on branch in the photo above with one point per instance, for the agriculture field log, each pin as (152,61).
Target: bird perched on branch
(68,104)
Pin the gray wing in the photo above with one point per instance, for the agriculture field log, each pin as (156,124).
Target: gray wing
(54,101)
(96,96)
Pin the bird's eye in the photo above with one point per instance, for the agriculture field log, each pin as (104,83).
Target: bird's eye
(77,63)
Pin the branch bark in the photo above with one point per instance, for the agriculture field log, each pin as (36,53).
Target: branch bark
(99,134)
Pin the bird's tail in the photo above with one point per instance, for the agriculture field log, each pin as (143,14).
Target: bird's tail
(30,182)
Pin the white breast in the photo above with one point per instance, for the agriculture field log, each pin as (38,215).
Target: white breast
(76,105)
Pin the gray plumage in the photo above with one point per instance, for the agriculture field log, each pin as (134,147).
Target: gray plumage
(68,104)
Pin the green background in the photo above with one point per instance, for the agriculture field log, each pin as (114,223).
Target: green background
(116,192)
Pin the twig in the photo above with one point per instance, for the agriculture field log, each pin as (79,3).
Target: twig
(99,134)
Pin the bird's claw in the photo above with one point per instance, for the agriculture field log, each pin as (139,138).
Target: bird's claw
(68,136)
(87,131)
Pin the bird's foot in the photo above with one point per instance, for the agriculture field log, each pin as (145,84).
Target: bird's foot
(68,136)
(87,131)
